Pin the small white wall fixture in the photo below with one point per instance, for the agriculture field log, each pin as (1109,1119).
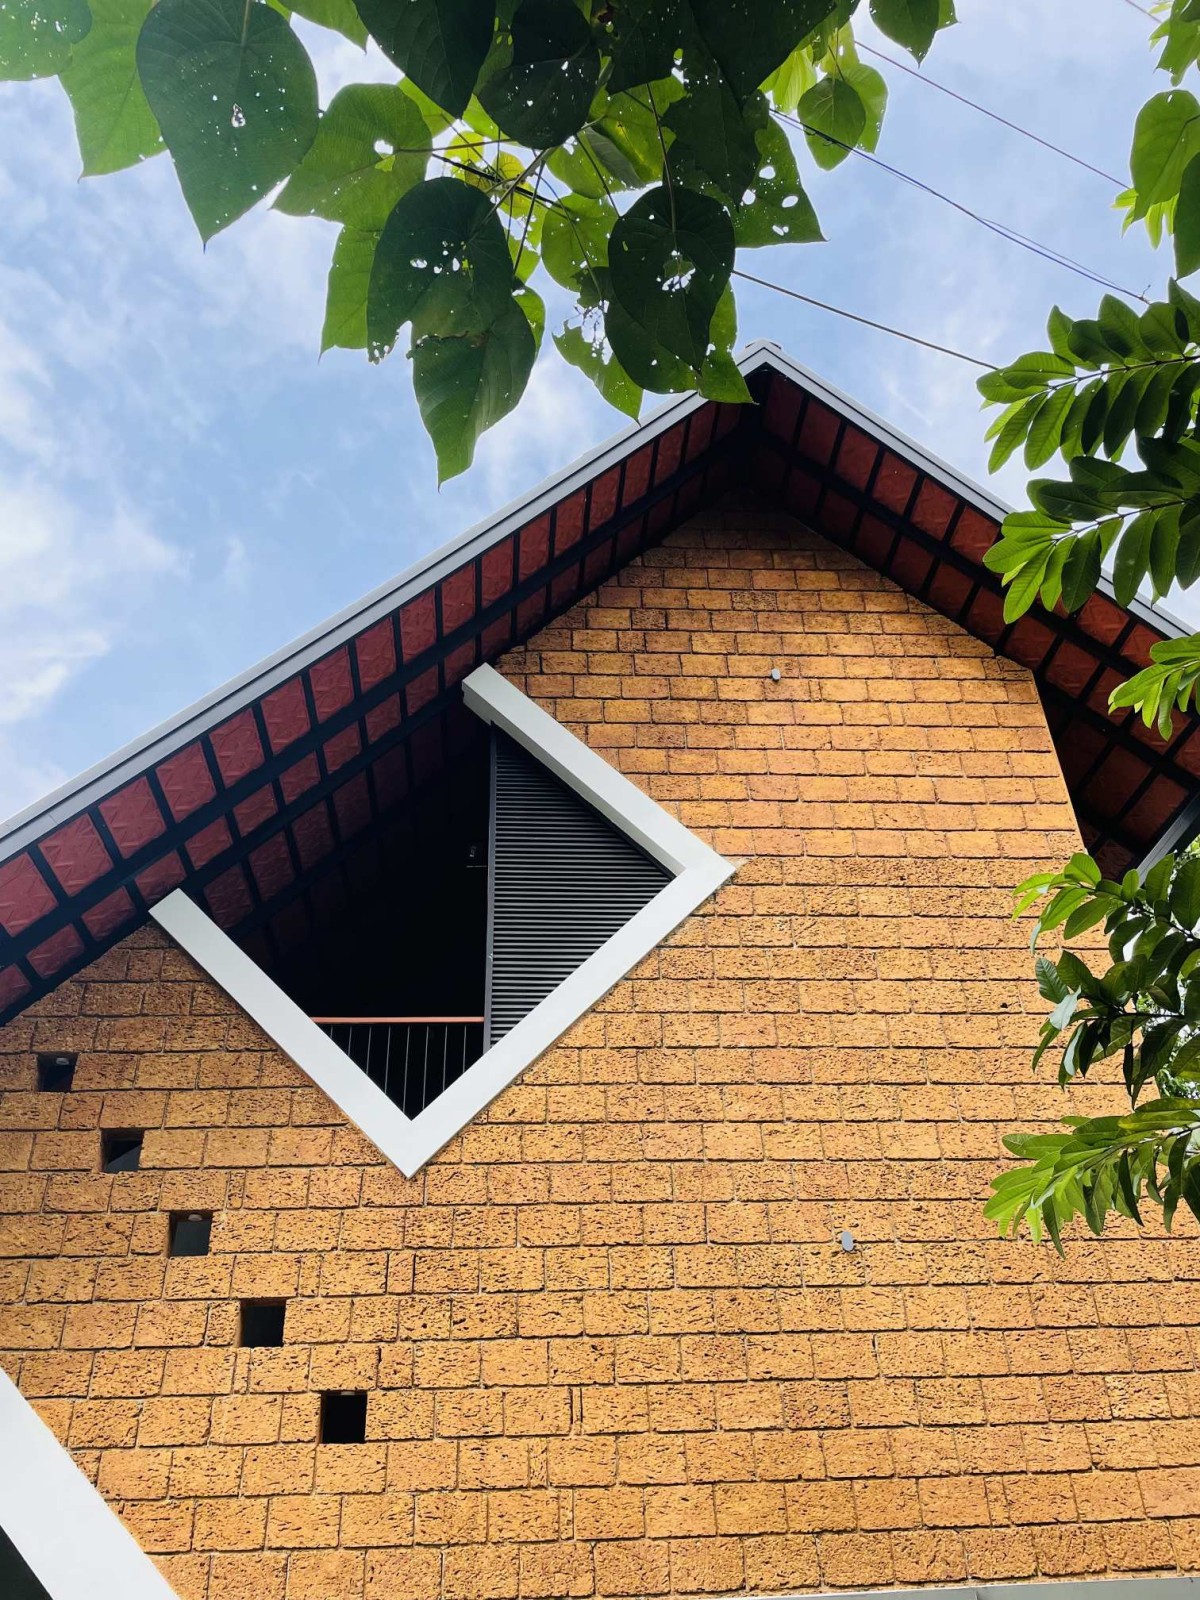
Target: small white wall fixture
(75,1546)
(697,872)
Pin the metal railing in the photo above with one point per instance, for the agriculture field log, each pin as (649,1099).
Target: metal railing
(412,1059)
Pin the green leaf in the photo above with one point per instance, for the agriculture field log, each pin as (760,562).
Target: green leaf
(575,239)
(780,212)
(871,89)
(642,41)
(834,119)
(671,256)
(1187,220)
(1022,591)
(442,263)
(649,364)
(347,289)
(1166,137)
(466,383)
(36,36)
(1164,549)
(371,147)
(340,15)
(1082,571)
(749,39)
(235,96)
(715,132)
(440,44)
(598,363)
(1184,898)
(113,122)
(911,23)
(542,97)
(1045,430)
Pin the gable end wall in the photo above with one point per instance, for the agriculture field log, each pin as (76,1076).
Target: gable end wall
(611,1343)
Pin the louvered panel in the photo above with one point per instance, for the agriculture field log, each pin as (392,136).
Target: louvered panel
(563,881)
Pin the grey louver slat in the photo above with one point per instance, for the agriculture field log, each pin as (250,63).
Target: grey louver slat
(563,881)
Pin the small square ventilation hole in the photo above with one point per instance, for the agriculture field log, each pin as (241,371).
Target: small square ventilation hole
(56,1072)
(120,1150)
(262,1329)
(344,1416)
(190,1233)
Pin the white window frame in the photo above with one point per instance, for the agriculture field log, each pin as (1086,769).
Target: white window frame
(74,1544)
(696,873)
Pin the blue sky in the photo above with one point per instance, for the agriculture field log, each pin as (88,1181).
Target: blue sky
(184,487)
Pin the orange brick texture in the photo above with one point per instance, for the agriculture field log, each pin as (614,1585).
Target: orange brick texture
(611,1342)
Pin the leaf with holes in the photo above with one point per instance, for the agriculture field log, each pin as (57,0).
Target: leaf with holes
(235,96)
(36,36)
(542,96)
(372,146)
(442,263)
(598,363)
(778,210)
(671,256)
(716,134)
(466,383)
(113,121)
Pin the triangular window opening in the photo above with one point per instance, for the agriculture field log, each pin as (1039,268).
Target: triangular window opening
(428,944)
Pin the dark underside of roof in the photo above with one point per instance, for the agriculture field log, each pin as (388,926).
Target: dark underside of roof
(260,813)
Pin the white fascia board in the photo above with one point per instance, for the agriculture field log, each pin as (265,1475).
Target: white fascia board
(409,1142)
(75,1546)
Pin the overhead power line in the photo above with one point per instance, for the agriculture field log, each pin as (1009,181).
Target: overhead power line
(1002,230)
(866,322)
(932,83)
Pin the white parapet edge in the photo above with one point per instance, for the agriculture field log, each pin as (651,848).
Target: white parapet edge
(75,1546)
(409,1142)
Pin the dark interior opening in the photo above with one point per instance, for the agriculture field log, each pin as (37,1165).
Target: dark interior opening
(56,1071)
(17,1582)
(262,1324)
(344,1416)
(387,949)
(120,1150)
(191,1232)
(402,930)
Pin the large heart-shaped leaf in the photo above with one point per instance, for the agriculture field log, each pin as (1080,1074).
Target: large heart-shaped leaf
(1187,221)
(542,97)
(439,44)
(347,290)
(467,383)
(36,35)
(671,256)
(911,23)
(442,264)
(235,96)
(750,38)
(113,120)
(372,145)
(834,119)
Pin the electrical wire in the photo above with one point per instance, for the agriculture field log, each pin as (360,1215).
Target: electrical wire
(866,322)
(1046,252)
(932,83)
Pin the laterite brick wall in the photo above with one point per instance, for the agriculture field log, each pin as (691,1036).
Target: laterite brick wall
(611,1345)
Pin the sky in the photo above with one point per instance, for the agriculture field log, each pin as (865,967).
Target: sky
(184,487)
